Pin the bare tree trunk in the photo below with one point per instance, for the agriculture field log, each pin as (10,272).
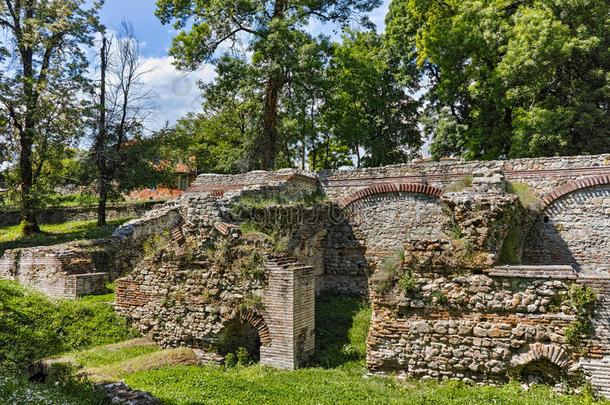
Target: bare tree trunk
(100,146)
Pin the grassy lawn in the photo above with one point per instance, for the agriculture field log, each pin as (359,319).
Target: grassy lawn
(335,377)
(10,237)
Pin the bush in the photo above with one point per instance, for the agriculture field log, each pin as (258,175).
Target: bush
(33,327)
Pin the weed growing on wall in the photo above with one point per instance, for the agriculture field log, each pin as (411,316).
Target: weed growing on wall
(461,184)
(524,193)
(582,300)
(386,272)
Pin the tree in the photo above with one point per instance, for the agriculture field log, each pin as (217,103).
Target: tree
(367,108)
(269,28)
(41,49)
(124,106)
(509,78)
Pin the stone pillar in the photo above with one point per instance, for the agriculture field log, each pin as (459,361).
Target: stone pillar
(289,302)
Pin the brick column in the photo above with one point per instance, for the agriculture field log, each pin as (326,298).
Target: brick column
(289,302)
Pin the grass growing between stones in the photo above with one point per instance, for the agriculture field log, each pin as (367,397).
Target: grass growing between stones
(53,234)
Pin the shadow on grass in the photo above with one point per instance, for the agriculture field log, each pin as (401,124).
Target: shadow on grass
(342,324)
(57,234)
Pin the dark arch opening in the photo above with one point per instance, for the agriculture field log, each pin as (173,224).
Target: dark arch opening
(542,371)
(239,333)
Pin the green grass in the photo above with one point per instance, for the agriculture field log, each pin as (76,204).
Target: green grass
(10,238)
(106,355)
(33,326)
(335,377)
(18,391)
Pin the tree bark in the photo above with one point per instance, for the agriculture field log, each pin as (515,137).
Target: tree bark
(100,146)
(269,143)
(26,140)
(268,147)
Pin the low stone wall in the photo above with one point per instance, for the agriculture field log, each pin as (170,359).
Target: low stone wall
(82,268)
(58,215)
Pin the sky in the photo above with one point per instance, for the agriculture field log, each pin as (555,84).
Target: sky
(176,93)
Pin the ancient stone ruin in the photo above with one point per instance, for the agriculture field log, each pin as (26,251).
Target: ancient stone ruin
(478,271)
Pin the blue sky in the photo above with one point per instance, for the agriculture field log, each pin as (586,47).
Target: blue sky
(176,92)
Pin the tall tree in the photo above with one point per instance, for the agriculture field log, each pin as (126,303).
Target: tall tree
(41,48)
(509,78)
(269,28)
(124,106)
(368,108)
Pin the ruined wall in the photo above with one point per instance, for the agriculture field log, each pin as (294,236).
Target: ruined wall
(80,268)
(426,252)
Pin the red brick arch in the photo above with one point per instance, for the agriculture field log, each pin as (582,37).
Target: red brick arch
(575,186)
(256,320)
(390,188)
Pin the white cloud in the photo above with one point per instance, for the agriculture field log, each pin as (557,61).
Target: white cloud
(175,93)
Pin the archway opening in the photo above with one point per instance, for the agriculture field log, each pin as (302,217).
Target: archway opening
(542,371)
(236,334)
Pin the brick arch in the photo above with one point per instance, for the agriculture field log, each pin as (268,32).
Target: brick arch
(256,320)
(390,188)
(538,351)
(575,186)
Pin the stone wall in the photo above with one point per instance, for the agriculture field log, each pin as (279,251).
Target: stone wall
(573,230)
(247,252)
(58,215)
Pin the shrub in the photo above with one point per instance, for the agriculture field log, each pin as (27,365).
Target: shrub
(33,327)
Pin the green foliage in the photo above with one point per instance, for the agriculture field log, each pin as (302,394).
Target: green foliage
(252,264)
(230,360)
(583,300)
(439,297)
(345,385)
(368,108)
(462,183)
(408,281)
(511,247)
(155,242)
(251,302)
(17,390)
(307,200)
(342,325)
(33,327)
(526,196)
(576,330)
(508,79)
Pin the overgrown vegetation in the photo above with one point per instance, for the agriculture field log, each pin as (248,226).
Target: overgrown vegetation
(32,326)
(526,196)
(582,300)
(387,271)
(342,325)
(459,185)
(10,237)
(306,199)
